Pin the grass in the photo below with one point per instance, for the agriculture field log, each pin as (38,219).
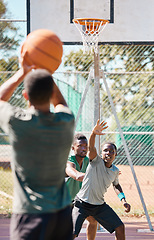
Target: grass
(6,191)
(136,211)
(6,198)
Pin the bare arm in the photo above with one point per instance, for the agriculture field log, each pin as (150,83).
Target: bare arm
(57,98)
(8,88)
(97,130)
(73,173)
(118,190)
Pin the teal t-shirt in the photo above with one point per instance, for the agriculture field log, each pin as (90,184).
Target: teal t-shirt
(73,185)
(40,147)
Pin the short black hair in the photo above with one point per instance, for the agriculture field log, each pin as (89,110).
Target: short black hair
(79,136)
(111,143)
(39,86)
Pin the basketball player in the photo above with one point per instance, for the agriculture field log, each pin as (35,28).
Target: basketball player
(100,173)
(41,142)
(75,170)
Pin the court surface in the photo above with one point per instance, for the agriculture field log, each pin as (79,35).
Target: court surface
(136,229)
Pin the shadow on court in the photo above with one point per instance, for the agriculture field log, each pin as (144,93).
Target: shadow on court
(135,230)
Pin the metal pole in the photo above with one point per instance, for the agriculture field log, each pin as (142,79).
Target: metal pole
(96,95)
(28,16)
(127,151)
(84,96)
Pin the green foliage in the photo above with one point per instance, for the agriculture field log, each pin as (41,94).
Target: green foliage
(8,67)
(6,191)
(6,181)
(6,42)
(9,62)
(130,85)
(79,61)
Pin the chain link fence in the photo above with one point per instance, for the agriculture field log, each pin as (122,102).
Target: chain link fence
(129,73)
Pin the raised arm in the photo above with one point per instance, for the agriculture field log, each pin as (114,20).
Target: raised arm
(121,196)
(8,88)
(57,98)
(73,173)
(97,130)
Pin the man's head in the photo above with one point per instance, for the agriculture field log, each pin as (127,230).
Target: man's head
(38,86)
(109,152)
(80,145)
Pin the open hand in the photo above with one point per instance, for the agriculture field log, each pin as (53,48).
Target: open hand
(99,127)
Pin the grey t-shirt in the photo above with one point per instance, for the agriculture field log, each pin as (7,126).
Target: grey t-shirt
(96,181)
(40,148)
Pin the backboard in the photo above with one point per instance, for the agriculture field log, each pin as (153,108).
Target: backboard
(130,21)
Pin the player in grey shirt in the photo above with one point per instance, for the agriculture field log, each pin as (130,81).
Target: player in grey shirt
(99,176)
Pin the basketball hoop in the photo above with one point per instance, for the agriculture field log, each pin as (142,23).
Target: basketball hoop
(90,29)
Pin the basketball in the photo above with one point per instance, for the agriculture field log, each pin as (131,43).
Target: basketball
(43,49)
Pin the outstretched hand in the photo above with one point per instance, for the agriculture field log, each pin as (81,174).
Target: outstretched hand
(99,127)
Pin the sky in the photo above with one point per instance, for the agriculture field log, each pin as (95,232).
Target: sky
(17,9)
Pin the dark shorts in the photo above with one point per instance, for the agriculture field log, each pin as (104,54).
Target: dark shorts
(46,226)
(104,214)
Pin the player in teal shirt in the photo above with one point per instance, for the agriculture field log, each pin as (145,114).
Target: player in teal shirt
(41,142)
(75,170)
(75,185)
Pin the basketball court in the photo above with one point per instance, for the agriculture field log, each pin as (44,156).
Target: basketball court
(135,229)
(129,22)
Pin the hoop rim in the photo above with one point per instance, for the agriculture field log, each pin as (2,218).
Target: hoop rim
(79,20)
(90,29)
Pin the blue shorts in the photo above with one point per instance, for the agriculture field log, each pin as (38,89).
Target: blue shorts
(103,214)
(45,226)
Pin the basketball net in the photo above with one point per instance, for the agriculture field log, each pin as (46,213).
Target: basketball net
(90,29)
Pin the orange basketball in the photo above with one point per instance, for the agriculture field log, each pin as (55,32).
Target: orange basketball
(43,49)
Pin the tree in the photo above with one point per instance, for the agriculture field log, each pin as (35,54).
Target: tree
(6,42)
(9,62)
(132,91)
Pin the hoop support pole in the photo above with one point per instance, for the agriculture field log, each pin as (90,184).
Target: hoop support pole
(84,97)
(96,96)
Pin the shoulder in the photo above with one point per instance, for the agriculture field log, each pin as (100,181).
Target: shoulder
(63,109)
(8,115)
(72,159)
(71,162)
(115,168)
(8,111)
(64,114)
(97,159)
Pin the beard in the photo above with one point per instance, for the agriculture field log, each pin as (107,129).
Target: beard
(82,156)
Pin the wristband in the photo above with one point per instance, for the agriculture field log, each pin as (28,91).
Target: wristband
(121,196)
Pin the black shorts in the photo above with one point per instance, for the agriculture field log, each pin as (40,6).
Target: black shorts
(46,226)
(103,214)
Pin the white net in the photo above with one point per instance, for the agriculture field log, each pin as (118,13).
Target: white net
(90,30)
